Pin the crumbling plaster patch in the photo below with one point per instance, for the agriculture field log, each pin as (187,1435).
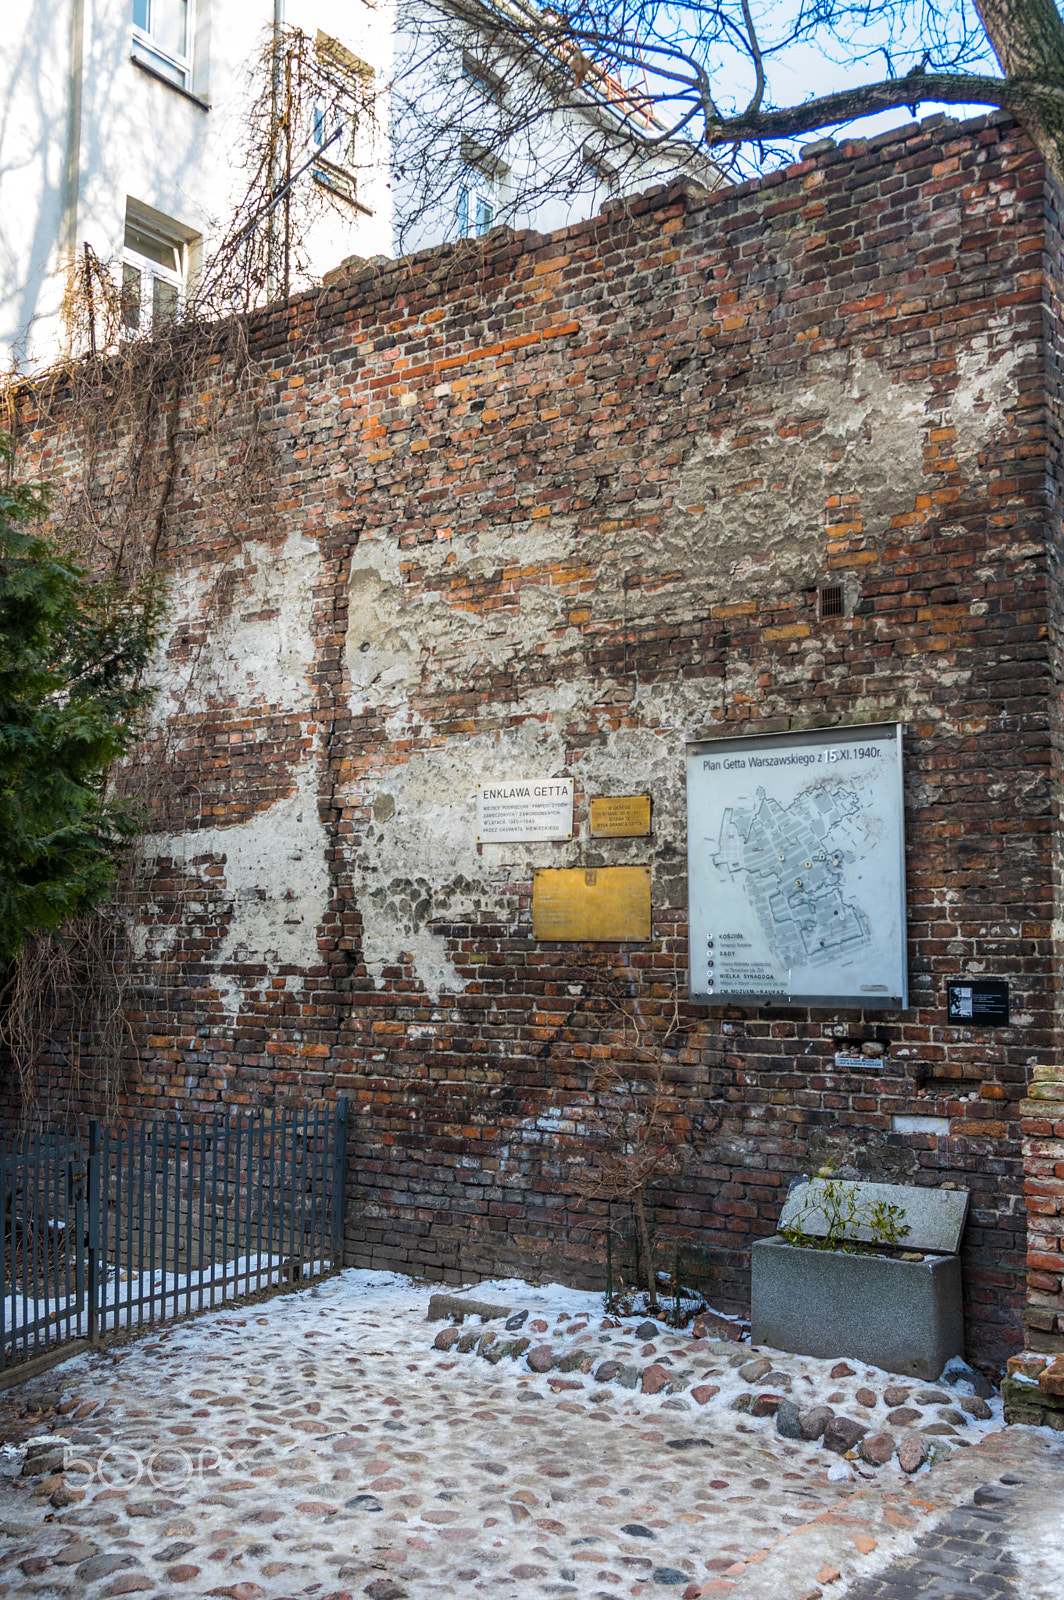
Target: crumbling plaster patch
(419,861)
(764,482)
(276,882)
(252,624)
(382,641)
(764,485)
(399,633)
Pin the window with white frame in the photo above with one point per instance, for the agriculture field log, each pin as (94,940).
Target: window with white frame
(478,200)
(333,137)
(346,84)
(154,272)
(162,38)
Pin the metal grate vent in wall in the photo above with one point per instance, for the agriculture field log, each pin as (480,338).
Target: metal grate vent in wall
(831,601)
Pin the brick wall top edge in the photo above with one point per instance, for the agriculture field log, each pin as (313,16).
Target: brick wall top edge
(440,269)
(382,278)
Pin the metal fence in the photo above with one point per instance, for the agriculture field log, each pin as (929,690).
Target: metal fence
(130,1227)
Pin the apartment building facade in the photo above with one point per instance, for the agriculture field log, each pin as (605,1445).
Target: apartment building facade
(133,135)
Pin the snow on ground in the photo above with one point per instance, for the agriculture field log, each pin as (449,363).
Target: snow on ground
(320,1446)
(138,1299)
(1036,1542)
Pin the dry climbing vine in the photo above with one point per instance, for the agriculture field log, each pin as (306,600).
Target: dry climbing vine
(141,418)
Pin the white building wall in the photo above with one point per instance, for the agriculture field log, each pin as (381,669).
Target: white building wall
(37,130)
(83,127)
(440,109)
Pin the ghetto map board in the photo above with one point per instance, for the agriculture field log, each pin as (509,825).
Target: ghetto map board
(796,869)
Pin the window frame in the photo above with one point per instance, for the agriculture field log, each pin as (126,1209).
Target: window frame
(175,69)
(151,271)
(478,180)
(350,80)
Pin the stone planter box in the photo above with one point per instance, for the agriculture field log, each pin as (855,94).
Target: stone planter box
(903,1316)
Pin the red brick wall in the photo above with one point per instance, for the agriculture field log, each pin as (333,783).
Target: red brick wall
(559,505)
(1041,1124)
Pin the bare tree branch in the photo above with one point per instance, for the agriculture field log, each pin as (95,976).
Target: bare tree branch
(758,60)
(865,100)
(708,75)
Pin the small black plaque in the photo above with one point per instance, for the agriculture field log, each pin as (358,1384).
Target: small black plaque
(979,1003)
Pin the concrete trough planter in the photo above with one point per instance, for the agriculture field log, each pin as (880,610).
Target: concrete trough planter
(902,1316)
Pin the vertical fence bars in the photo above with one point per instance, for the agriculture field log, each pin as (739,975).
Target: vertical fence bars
(134,1226)
(42,1221)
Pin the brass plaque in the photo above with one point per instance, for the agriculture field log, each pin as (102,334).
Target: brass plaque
(620,816)
(597,903)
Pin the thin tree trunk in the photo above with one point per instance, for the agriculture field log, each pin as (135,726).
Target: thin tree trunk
(648,1258)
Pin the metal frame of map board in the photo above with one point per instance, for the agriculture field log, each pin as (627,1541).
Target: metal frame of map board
(737,955)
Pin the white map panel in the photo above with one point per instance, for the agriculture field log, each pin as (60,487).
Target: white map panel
(796,869)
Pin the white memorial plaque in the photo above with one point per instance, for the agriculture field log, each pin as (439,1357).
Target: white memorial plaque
(524,810)
(796,869)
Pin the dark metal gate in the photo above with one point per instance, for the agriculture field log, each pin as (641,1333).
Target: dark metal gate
(134,1226)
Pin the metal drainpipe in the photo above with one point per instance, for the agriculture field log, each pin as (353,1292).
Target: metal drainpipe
(68,224)
(275,97)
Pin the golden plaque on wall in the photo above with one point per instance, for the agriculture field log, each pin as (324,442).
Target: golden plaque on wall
(620,816)
(603,904)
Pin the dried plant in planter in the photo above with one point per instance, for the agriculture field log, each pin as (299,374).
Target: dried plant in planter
(843,1212)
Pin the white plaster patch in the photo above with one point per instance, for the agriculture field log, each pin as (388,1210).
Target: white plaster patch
(382,642)
(985,384)
(849,428)
(150,941)
(765,499)
(396,632)
(938,1127)
(420,862)
(259,647)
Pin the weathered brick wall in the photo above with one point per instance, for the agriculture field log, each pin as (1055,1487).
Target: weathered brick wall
(1034,1385)
(1042,1126)
(1042,1114)
(558,506)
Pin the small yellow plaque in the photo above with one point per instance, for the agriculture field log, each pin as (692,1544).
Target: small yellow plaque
(620,816)
(602,904)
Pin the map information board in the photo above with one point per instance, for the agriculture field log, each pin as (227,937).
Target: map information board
(796,869)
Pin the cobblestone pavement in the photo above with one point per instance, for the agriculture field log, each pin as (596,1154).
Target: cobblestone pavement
(320,1446)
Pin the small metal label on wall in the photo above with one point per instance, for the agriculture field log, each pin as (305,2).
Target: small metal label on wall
(620,816)
(602,904)
(979,1003)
